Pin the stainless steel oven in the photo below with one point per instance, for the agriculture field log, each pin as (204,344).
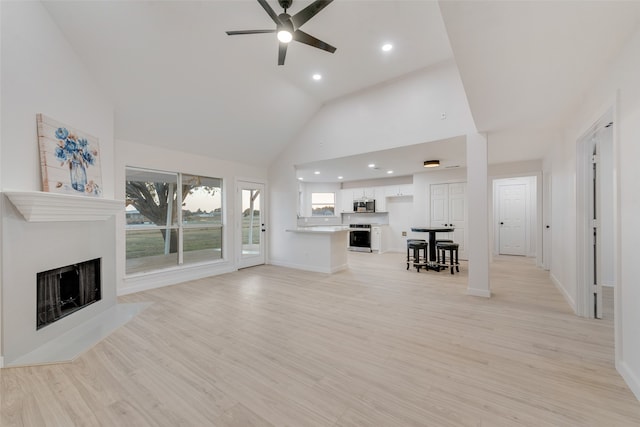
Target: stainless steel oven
(360,237)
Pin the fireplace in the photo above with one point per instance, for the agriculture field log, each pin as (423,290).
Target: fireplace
(67,289)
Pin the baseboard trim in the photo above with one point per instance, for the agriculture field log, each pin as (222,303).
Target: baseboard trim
(479,292)
(159,279)
(563,292)
(629,377)
(1,362)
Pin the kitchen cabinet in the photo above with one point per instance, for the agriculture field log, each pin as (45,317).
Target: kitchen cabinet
(346,200)
(399,190)
(364,193)
(381,199)
(376,238)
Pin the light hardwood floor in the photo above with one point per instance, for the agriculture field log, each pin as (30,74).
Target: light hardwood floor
(372,346)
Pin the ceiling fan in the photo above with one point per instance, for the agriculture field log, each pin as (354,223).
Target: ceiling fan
(288,27)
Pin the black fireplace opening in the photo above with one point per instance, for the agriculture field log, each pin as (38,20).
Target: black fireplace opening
(67,289)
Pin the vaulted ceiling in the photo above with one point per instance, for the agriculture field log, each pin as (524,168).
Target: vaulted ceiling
(177,80)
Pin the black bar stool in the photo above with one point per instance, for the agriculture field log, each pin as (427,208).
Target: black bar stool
(442,249)
(416,245)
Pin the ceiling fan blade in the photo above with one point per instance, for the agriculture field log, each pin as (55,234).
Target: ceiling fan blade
(309,12)
(270,11)
(282,52)
(302,37)
(235,33)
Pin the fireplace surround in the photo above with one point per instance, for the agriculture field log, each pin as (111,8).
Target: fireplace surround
(43,232)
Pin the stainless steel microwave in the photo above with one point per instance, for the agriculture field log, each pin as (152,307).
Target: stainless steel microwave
(368,205)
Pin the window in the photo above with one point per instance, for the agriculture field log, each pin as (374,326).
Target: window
(323,204)
(158,233)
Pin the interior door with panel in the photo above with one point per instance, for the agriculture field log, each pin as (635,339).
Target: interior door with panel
(458,216)
(448,207)
(250,223)
(513,218)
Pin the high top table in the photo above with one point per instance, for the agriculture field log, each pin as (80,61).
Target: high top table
(432,243)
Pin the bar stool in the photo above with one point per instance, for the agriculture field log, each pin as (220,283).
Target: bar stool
(443,241)
(442,249)
(416,245)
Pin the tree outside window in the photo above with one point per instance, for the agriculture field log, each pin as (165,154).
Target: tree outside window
(323,204)
(172,219)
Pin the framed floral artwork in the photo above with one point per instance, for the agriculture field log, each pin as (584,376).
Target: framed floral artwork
(69,158)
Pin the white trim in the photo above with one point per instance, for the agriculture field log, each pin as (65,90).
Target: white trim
(38,206)
(313,268)
(479,292)
(563,291)
(1,361)
(628,376)
(237,222)
(173,276)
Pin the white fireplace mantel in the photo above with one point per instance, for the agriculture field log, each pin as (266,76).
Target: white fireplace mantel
(38,206)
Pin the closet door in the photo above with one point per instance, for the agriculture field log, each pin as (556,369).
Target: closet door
(458,215)
(448,208)
(439,205)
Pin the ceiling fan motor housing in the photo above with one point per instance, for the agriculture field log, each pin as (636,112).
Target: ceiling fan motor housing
(285,4)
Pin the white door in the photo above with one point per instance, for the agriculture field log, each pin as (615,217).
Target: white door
(250,223)
(512,216)
(458,216)
(449,209)
(546,232)
(439,205)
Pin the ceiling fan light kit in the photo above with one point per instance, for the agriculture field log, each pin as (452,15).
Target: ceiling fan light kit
(288,27)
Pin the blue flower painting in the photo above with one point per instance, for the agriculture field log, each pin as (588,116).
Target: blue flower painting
(69,158)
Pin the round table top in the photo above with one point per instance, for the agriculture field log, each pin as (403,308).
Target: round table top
(431,229)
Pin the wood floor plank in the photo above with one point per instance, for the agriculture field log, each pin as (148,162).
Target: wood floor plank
(374,345)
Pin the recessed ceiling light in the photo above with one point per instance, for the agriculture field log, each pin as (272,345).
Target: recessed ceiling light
(387,47)
(431,163)
(300,178)
(372,165)
(389,172)
(340,177)
(317,77)
(317,173)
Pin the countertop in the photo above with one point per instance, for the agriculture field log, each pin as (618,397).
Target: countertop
(320,229)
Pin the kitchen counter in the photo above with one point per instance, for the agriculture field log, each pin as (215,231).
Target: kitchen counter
(322,249)
(320,229)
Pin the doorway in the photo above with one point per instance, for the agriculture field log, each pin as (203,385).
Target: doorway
(596,223)
(251,224)
(515,216)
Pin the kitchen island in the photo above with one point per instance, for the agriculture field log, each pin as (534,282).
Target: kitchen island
(322,249)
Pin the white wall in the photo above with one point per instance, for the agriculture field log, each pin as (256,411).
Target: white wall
(144,156)
(41,74)
(619,88)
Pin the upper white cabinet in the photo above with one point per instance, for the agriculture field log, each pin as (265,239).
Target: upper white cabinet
(363,193)
(399,190)
(346,200)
